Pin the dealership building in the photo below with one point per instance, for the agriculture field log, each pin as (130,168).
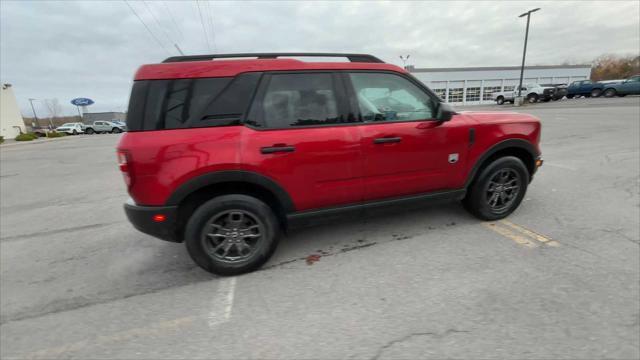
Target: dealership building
(475,85)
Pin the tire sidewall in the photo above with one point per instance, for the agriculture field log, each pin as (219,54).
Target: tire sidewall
(200,218)
(500,101)
(476,203)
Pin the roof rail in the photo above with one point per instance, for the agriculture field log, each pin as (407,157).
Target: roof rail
(352,57)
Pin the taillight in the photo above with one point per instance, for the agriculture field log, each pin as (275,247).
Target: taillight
(124,164)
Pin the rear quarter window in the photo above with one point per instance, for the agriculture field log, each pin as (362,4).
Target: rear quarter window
(187,103)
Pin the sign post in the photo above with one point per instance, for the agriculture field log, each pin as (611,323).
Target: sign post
(82,102)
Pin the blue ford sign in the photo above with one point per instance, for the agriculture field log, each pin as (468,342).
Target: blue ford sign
(81,102)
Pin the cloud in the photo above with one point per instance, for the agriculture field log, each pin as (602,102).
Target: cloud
(63,50)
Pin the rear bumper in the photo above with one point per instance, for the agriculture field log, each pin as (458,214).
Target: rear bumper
(142,218)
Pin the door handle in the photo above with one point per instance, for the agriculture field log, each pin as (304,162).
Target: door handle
(386,140)
(277,149)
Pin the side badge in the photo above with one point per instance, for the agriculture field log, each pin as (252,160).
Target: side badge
(453,158)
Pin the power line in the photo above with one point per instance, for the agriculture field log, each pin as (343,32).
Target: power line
(158,22)
(146,27)
(213,31)
(203,27)
(173,19)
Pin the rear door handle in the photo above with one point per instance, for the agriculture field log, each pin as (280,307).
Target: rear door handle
(277,149)
(386,140)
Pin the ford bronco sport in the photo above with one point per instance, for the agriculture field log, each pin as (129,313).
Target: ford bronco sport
(225,152)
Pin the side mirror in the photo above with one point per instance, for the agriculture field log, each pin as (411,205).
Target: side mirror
(445,112)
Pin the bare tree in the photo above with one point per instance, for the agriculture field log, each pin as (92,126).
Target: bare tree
(54,108)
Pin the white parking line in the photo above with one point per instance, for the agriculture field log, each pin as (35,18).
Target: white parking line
(222,303)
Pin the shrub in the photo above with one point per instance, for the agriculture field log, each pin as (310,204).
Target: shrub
(26,137)
(55,134)
(1,139)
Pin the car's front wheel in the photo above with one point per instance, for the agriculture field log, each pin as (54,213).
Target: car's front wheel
(498,190)
(610,93)
(232,234)
(532,98)
(116,130)
(500,100)
(596,92)
(89,131)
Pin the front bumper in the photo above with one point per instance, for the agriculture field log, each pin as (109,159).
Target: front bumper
(145,219)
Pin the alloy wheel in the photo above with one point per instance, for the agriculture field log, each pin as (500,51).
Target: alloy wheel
(232,236)
(502,190)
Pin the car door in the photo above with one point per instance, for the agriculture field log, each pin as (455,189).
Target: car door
(406,151)
(300,134)
(630,86)
(99,126)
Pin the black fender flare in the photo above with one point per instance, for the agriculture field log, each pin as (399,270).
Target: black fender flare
(241,176)
(510,143)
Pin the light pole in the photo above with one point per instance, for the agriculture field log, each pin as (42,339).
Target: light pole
(404,60)
(34,113)
(524,53)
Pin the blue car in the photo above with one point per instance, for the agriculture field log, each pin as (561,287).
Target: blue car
(631,86)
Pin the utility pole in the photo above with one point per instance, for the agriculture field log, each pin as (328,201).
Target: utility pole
(524,54)
(179,50)
(36,123)
(404,60)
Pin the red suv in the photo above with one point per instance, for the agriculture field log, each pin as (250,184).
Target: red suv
(225,152)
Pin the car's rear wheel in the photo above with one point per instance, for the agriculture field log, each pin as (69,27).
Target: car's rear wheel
(232,234)
(89,131)
(596,92)
(610,93)
(532,98)
(498,189)
(500,100)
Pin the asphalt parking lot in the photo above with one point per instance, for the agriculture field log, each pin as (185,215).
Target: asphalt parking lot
(558,280)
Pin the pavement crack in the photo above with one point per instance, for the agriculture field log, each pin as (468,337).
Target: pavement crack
(57,231)
(434,335)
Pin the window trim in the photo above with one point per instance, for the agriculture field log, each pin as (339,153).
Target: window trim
(354,103)
(257,104)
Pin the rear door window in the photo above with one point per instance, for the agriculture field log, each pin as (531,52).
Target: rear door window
(300,99)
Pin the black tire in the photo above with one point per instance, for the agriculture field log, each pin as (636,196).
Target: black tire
(116,130)
(478,198)
(546,99)
(199,243)
(500,100)
(532,98)
(610,93)
(75,132)
(89,131)
(596,92)
(569,96)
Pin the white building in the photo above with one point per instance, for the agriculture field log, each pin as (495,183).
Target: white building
(474,85)
(11,123)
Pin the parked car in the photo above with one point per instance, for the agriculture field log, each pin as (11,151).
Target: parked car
(586,88)
(532,92)
(269,143)
(71,128)
(631,86)
(559,90)
(104,127)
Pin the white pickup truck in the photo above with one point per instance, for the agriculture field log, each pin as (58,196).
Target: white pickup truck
(532,92)
(104,127)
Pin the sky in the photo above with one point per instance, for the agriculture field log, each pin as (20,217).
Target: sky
(69,49)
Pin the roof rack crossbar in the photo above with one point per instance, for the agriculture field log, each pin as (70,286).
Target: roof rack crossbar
(352,57)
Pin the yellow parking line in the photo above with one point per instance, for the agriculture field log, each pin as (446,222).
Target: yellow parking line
(520,234)
(533,234)
(154,329)
(518,239)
